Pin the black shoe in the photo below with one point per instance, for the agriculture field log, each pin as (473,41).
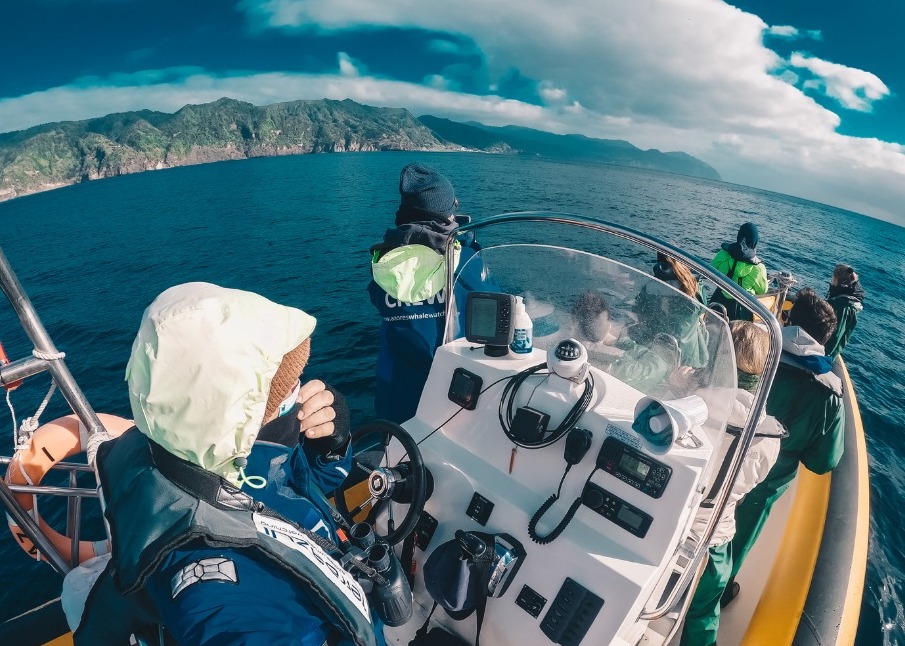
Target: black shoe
(730,593)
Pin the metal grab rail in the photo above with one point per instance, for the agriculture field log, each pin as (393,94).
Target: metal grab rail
(77,401)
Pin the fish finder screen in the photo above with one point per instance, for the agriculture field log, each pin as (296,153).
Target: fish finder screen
(629,517)
(483,317)
(633,467)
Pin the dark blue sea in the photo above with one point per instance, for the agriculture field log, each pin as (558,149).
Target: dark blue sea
(297,230)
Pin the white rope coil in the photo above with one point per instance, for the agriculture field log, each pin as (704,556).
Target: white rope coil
(48,356)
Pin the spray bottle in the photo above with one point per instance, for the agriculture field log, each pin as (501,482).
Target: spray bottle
(523,336)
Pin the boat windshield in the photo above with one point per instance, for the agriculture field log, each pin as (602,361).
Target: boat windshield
(635,327)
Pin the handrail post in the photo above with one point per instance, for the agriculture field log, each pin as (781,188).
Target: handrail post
(32,531)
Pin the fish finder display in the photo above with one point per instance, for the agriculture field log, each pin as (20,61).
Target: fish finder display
(488,320)
(483,317)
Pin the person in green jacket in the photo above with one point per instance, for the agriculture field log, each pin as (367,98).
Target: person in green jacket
(740,262)
(806,398)
(847,298)
(702,621)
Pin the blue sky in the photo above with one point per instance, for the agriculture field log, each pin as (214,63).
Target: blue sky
(804,98)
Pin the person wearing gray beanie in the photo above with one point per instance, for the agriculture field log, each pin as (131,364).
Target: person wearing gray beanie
(408,281)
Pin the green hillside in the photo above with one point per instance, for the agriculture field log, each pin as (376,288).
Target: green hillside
(58,154)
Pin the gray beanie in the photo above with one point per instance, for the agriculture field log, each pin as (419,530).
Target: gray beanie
(426,195)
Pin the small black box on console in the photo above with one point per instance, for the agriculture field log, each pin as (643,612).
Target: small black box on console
(529,425)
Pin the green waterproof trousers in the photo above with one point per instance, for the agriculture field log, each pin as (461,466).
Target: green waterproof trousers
(703,618)
(751,516)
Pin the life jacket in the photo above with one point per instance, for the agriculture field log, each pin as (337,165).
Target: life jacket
(150,516)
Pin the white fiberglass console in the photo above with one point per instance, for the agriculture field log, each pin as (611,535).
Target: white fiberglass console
(636,504)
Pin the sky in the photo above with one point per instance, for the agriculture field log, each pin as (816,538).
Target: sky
(805,98)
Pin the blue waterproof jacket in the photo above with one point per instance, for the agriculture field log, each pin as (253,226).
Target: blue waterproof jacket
(265,607)
(410,332)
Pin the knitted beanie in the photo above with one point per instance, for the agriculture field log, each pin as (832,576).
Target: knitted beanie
(287,375)
(425,195)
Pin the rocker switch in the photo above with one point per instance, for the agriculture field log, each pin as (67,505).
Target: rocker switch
(479,508)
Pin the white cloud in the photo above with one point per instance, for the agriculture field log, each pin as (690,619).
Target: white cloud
(347,66)
(792,33)
(853,88)
(672,74)
(690,75)
(783,31)
(551,94)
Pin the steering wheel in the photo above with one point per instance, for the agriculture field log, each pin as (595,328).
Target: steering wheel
(407,482)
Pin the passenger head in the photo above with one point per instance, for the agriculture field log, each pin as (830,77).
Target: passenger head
(748,235)
(813,315)
(206,366)
(592,316)
(671,271)
(843,276)
(425,195)
(752,343)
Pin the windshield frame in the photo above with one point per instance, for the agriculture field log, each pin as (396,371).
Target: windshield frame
(721,281)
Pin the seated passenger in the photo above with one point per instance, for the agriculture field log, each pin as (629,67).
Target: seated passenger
(668,342)
(740,262)
(672,272)
(593,326)
(214,386)
(703,618)
(847,298)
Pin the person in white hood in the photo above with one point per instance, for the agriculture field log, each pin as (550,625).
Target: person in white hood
(219,534)
(703,618)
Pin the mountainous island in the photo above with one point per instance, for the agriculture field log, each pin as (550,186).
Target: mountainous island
(58,154)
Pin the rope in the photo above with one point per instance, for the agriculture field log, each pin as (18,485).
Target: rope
(30,424)
(12,411)
(48,356)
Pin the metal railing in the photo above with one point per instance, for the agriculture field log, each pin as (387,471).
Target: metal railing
(59,372)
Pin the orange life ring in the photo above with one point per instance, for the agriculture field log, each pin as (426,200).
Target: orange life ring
(54,441)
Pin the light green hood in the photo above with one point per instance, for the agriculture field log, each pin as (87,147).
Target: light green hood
(411,273)
(201,368)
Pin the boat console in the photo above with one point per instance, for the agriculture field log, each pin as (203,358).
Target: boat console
(635,505)
(592,474)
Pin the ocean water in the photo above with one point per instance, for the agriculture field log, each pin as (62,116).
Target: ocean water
(297,230)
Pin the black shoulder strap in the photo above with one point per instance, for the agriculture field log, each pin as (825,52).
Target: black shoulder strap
(708,503)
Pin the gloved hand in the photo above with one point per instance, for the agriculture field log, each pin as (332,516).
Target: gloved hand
(336,443)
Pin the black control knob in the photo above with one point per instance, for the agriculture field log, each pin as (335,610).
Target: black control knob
(593,498)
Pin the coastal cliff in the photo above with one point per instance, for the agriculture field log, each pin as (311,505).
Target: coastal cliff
(59,154)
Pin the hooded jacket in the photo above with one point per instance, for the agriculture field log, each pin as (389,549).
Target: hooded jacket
(806,397)
(408,288)
(199,377)
(847,302)
(748,271)
(760,458)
